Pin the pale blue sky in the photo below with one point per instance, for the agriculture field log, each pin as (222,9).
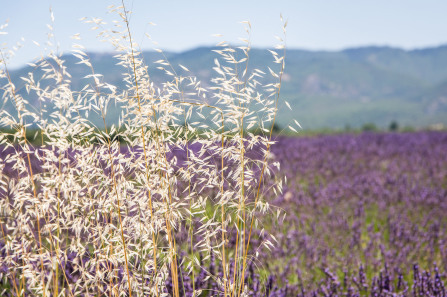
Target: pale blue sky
(181,25)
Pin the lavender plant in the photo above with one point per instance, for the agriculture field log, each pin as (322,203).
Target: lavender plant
(83,214)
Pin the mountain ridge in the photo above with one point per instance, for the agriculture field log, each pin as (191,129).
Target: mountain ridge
(353,86)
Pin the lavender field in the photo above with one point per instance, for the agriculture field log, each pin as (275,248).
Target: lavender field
(365,215)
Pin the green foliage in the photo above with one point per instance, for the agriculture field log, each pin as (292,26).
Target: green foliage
(394,126)
(369,127)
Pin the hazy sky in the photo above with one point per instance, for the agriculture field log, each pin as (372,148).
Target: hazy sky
(181,25)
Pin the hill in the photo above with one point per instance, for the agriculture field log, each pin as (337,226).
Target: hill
(325,88)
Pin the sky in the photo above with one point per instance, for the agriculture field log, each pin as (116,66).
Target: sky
(186,24)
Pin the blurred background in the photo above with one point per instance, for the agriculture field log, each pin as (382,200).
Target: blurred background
(349,64)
